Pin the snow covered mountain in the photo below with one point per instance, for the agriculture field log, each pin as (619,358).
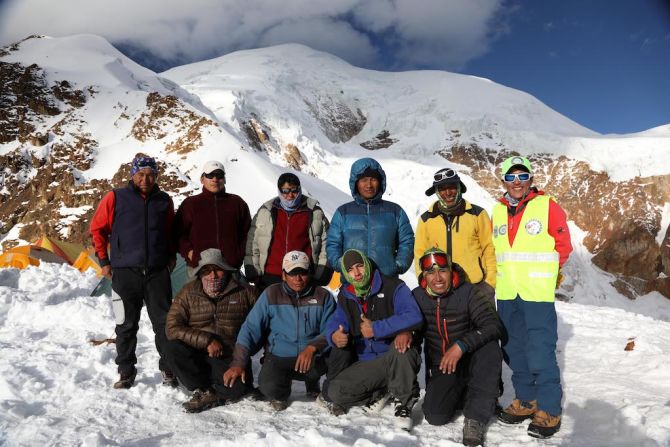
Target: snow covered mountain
(75,111)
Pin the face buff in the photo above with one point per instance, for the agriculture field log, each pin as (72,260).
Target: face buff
(456,209)
(213,287)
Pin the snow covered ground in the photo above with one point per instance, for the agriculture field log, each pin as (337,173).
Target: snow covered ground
(55,388)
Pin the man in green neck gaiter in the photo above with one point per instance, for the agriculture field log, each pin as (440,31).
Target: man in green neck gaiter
(357,271)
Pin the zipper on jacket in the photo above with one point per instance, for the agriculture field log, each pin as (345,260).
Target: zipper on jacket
(288,227)
(146,235)
(216,213)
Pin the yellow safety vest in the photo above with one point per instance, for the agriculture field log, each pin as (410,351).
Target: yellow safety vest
(530,267)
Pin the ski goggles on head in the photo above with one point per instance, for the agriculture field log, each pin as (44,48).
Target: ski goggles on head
(444,175)
(439,259)
(521,176)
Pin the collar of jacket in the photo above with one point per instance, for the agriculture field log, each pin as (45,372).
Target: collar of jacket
(374,288)
(208,193)
(297,295)
(532,193)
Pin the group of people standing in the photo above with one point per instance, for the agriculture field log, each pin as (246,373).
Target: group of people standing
(366,342)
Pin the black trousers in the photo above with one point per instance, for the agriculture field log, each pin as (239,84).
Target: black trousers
(362,381)
(278,373)
(196,369)
(476,377)
(136,289)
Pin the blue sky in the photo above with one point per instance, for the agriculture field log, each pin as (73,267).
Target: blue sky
(603,63)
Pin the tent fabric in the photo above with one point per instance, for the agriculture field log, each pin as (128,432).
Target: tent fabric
(17,260)
(66,250)
(87,260)
(36,254)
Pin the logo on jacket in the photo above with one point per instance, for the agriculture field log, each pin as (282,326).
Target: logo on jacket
(533,227)
(499,230)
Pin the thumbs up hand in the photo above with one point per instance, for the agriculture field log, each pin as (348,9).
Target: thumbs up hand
(366,327)
(340,338)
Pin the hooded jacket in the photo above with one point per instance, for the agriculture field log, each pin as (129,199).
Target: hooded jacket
(464,315)
(378,228)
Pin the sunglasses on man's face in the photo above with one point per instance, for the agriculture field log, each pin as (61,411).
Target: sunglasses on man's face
(443,175)
(522,176)
(286,191)
(428,261)
(216,174)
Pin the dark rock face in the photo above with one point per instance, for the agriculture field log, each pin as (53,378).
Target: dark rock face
(622,219)
(337,121)
(381,141)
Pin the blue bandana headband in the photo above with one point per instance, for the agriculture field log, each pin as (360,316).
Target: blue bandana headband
(143,163)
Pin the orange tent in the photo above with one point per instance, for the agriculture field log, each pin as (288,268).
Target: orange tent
(50,250)
(26,255)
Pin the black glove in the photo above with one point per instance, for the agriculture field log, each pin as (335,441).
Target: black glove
(250,273)
(322,275)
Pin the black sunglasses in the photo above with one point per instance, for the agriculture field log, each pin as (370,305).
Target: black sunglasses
(289,190)
(216,174)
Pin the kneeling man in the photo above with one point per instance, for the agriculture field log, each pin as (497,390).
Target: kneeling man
(290,318)
(371,331)
(463,359)
(202,325)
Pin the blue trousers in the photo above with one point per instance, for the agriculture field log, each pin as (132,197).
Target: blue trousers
(529,348)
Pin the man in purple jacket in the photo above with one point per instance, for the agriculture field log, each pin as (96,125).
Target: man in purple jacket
(212,219)
(371,331)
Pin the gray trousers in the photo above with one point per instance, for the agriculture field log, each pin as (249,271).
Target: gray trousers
(364,380)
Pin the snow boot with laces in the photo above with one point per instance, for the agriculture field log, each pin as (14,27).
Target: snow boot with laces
(544,425)
(518,411)
(473,432)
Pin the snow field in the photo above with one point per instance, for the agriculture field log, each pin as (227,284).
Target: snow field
(55,388)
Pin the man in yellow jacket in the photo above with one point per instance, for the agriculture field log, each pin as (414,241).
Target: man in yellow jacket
(461,229)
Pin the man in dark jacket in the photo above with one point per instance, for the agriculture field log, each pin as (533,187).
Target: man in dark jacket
(202,325)
(371,328)
(290,318)
(212,219)
(461,332)
(378,228)
(135,222)
(290,221)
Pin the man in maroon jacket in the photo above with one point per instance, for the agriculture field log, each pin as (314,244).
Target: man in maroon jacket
(212,219)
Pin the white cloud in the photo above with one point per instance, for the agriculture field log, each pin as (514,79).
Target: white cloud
(404,33)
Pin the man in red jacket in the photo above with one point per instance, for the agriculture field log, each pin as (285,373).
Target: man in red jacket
(212,219)
(136,223)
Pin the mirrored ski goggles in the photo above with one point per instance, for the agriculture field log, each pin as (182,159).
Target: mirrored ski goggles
(289,190)
(521,176)
(444,175)
(439,259)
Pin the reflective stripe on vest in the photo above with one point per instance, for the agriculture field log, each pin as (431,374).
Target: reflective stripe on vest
(530,267)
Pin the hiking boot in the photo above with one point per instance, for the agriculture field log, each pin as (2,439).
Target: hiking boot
(473,432)
(403,417)
(518,411)
(312,389)
(332,407)
(377,404)
(169,379)
(544,425)
(279,405)
(201,400)
(126,380)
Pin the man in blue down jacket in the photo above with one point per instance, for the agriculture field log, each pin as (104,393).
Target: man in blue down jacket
(378,228)
(290,317)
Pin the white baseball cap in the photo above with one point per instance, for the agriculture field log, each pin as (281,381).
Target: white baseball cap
(212,166)
(295,260)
